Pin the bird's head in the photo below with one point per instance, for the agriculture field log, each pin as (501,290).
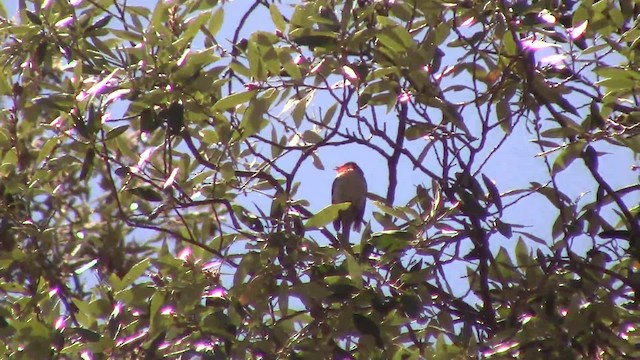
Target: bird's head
(345,168)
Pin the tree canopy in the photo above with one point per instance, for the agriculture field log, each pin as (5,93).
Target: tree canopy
(165,172)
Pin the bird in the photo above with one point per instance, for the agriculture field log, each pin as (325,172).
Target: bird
(349,186)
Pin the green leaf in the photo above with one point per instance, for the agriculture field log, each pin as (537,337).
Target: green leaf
(128,35)
(355,271)
(312,137)
(249,264)
(557,198)
(87,164)
(134,274)
(233,100)
(504,116)
(326,215)
(504,229)
(366,326)
(522,253)
(9,162)
(192,28)
(471,206)
(392,240)
(5,141)
(277,18)
(504,268)
(253,120)
(257,66)
(33,17)
(99,24)
(567,156)
(85,335)
(546,143)
(562,132)
(391,210)
(156,303)
(394,36)
(290,67)
(47,148)
(146,193)
(299,110)
(496,199)
(160,14)
(328,116)
(418,131)
(313,38)
(216,21)
(117,131)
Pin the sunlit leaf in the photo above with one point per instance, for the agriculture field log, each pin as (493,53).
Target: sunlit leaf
(325,216)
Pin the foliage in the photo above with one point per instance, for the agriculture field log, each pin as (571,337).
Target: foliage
(153,161)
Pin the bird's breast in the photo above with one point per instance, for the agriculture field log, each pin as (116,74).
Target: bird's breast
(349,187)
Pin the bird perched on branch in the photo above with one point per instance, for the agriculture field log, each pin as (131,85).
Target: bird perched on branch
(349,186)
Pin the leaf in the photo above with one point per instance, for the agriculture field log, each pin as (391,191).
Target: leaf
(546,143)
(85,267)
(562,132)
(255,55)
(392,240)
(552,93)
(80,126)
(503,228)
(191,27)
(504,269)
(391,210)
(567,156)
(312,137)
(313,38)
(471,206)
(557,228)
(253,120)
(277,18)
(99,24)
(87,163)
(300,109)
(326,215)
(131,36)
(233,100)
(122,171)
(411,305)
(534,238)
(317,162)
(493,193)
(134,274)
(117,131)
(557,198)
(148,120)
(249,264)
(33,17)
(47,148)
(522,253)
(85,335)
(366,326)
(590,157)
(265,40)
(418,131)
(174,117)
(504,116)
(395,37)
(355,271)
(215,23)
(146,193)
